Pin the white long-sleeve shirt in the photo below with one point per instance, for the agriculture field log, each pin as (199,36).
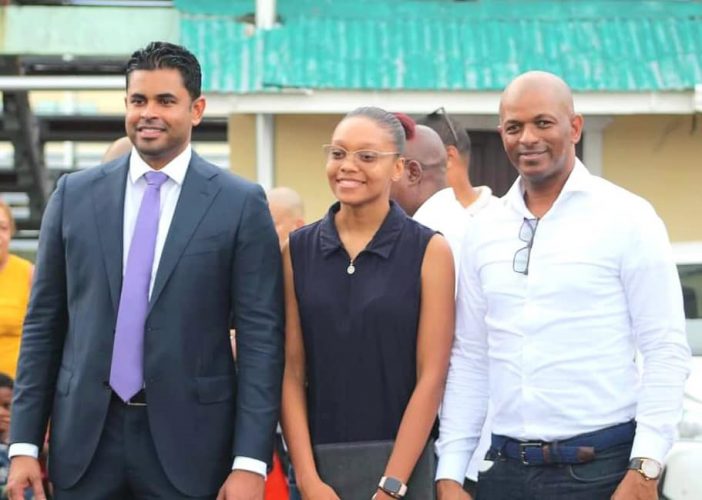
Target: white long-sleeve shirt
(555,349)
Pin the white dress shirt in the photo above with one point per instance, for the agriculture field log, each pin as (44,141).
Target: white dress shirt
(444,213)
(555,350)
(134,192)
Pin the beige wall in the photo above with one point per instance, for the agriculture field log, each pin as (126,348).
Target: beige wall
(660,158)
(299,162)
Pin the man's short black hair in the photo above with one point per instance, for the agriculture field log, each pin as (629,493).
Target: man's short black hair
(457,137)
(6,381)
(159,55)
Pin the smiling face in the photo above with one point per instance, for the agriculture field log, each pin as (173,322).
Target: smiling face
(539,129)
(160,114)
(356,181)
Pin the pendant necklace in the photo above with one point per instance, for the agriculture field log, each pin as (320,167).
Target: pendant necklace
(351,269)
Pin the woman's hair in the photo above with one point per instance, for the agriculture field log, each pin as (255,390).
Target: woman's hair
(400,126)
(6,208)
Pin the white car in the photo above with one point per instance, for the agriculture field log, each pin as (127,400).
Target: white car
(682,479)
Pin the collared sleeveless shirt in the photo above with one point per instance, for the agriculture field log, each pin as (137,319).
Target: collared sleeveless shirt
(359,325)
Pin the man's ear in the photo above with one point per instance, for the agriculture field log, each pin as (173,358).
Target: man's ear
(414,171)
(452,156)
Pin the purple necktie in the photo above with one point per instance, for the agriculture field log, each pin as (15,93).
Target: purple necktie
(127,372)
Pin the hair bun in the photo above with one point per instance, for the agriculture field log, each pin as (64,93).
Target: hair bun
(408,124)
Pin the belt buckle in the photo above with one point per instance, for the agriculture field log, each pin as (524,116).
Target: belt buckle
(523,447)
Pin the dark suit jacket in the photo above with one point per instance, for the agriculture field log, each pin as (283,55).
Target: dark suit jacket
(221,261)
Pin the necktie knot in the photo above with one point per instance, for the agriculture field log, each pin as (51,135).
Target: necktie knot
(155,179)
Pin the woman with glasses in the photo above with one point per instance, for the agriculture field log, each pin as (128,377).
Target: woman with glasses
(369,312)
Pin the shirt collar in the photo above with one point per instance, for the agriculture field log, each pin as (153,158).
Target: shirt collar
(580,179)
(175,169)
(382,242)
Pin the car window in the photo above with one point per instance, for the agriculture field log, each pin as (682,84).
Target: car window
(691,280)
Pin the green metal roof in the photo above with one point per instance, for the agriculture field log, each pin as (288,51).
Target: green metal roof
(616,45)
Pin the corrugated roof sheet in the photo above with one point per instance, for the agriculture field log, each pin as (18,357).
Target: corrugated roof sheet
(443,45)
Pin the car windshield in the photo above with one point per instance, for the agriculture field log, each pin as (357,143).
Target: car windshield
(691,279)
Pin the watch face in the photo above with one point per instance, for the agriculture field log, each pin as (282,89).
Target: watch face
(392,484)
(650,468)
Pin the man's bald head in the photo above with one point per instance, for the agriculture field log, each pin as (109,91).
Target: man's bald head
(540,82)
(425,170)
(120,147)
(540,129)
(426,147)
(287,210)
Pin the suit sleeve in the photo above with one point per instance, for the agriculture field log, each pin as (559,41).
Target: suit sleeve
(258,317)
(44,331)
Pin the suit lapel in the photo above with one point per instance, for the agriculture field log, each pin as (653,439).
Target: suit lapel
(108,199)
(196,195)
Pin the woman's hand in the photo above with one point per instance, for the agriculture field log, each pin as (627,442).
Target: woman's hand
(317,490)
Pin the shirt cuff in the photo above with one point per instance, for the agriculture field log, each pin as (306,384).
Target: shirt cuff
(648,444)
(452,465)
(251,465)
(23,449)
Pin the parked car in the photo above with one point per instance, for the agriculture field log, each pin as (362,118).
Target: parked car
(682,479)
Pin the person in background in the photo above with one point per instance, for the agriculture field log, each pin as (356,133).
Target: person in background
(6,386)
(119,147)
(423,193)
(560,286)
(287,210)
(458,149)
(15,284)
(369,312)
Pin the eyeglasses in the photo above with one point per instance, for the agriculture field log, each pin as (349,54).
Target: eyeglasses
(361,157)
(520,263)
(442,112)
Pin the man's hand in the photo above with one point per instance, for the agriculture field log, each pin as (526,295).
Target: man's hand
(448,489)
(25,472)
(635,487)
(242,485)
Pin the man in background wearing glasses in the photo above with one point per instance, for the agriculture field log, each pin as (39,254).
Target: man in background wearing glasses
(558,289)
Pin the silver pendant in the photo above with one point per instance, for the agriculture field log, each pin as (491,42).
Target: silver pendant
(351,269)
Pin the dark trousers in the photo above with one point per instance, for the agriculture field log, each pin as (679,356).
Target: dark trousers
(509,479)
(125,465)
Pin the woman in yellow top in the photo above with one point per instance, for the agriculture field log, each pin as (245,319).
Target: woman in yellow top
(15,282)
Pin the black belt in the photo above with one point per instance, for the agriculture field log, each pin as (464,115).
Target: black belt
(576,450)
(139,399)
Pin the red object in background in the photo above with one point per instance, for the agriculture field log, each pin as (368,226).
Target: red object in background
(277,482)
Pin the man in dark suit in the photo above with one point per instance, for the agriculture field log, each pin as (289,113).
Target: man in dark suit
(143,264)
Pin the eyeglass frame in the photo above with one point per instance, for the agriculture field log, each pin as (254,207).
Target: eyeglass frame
(529,244)
(328,147)
(447,119)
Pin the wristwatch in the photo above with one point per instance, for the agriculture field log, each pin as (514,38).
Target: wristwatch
(647,467)
(393,487)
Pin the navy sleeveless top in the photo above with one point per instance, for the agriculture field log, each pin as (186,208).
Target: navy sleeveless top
(359,328)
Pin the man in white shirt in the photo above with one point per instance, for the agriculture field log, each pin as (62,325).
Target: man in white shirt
(423,193)
(458,150)
(558,289)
